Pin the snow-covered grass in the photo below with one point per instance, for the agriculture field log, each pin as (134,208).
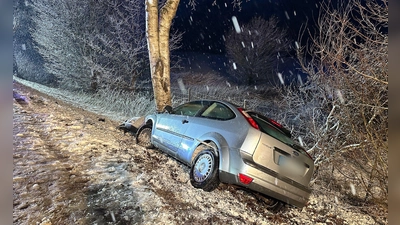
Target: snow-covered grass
(116,105)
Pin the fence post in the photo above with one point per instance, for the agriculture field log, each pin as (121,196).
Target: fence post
(244,103)
(189,94)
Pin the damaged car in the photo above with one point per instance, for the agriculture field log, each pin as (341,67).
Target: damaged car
(222,142)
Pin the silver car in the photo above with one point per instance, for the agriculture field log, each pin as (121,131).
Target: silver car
(222,142)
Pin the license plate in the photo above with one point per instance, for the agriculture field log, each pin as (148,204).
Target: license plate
(291,165)
(281,160)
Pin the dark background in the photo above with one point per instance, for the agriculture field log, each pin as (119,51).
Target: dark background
(205,25)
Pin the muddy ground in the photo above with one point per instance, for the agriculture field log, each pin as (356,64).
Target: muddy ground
(72,166)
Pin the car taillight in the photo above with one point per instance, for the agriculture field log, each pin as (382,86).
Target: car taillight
(248,118)
(245,179)
(275,123)
(308,155)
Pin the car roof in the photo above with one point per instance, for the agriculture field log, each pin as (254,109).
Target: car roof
(213,100)
(233,105)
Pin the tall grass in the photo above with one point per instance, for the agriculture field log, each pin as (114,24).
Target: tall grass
(116,105)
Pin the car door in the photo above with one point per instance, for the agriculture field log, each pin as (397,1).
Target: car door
(170,128)
(216,119)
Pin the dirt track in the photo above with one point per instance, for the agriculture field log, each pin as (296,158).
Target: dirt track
(73,167)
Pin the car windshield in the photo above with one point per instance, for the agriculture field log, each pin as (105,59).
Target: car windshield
(269,129)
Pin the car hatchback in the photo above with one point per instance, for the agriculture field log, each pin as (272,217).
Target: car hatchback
(222,142)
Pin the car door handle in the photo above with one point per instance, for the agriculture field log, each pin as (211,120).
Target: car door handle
(185,121)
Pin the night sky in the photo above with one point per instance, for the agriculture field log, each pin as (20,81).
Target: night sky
(205,25)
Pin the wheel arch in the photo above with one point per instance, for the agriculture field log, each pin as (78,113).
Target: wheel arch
(222,149)
(148,122)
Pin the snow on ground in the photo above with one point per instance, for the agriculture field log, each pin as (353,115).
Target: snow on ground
(72,166)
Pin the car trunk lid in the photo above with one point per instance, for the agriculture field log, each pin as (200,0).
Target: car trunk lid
(277,153)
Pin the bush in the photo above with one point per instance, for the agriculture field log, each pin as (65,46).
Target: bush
(343,107)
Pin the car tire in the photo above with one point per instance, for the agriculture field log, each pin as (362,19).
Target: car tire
(143,137)
(204,171)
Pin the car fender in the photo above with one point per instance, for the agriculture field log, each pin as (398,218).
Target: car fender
(223,148)
(150,119)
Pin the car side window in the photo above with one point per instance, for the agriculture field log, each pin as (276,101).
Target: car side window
(188,109)
(218,111)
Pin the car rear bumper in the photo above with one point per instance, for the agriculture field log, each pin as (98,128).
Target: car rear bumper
(270,185)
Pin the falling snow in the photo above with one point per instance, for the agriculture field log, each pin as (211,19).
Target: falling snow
(353,189)
(287,15)
(281,78)
(340,96)
(297,44)
(236,24)
(182,86)
(301,141)
(300,80)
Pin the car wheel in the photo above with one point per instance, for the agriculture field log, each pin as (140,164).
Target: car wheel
(204,171)
(143,138)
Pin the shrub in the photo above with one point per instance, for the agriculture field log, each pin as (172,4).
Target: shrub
(343,107)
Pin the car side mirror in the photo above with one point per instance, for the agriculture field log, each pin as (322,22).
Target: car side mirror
(167,109)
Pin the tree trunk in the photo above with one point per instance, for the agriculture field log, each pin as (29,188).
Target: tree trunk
(158,24)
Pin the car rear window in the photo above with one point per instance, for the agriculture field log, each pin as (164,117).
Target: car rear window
(271,130)
(269,127)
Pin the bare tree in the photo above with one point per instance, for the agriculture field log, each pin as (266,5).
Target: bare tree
(158,24)
(27,62)
(116,49)
(93,44)
(58,42)
(343,106)
(255,49)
